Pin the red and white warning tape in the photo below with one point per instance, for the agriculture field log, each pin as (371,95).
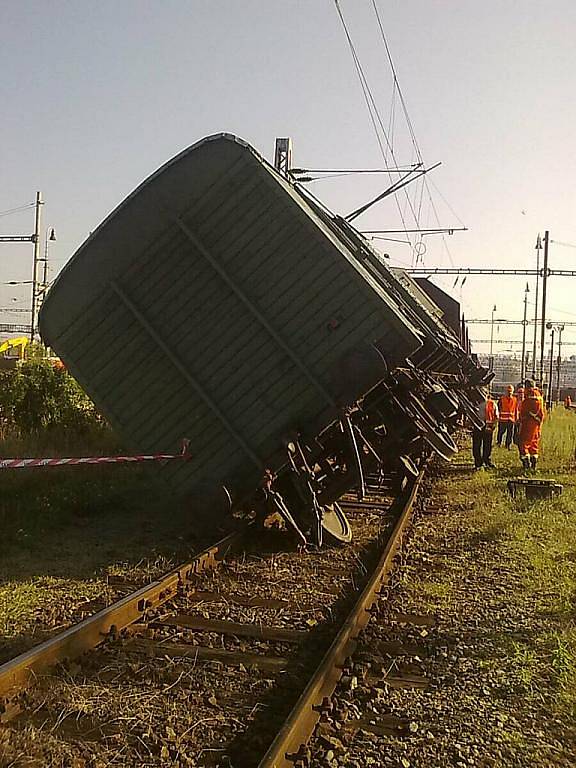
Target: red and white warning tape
(23,463)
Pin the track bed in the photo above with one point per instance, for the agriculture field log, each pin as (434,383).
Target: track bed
(207,677)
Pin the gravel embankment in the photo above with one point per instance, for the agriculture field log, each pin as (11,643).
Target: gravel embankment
(489,655)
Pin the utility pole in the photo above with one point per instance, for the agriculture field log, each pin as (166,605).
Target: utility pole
(35,239)
(538,249)
(41,292)
(549,392)
(523,364)
(37,245)
(543,315)
(492,337)
(560,329)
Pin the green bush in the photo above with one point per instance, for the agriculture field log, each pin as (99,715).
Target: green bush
(37,397)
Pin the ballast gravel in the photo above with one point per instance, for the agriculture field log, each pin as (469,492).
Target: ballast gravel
(476,623)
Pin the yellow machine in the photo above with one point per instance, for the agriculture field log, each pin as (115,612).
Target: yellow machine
(19,342)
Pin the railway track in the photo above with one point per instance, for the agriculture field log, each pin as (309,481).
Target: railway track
(229,660)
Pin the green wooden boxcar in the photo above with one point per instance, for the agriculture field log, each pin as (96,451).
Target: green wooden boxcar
(214,304)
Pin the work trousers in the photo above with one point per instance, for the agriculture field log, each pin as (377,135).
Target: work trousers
(529,438)
(482,446)
(505,428)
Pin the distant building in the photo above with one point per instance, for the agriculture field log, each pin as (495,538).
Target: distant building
(508,368)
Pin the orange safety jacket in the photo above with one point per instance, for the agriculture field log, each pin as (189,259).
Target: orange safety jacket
(567,401)
(538,394)
(532,413)
(507,407)
(491,412)
(519,398)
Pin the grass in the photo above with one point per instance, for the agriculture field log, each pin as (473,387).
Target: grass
(65,529)
(542,537)
(515,556)
(524,663)
(34,502)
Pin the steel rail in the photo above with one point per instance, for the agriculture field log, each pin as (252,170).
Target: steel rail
(19,673)
(289,747)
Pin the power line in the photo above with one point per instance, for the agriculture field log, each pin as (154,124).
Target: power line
(391,240)
(10,211)
(559,242)
(373,111)
(447,203)
(411,129)
(514,341)
(397,169)
(481,271)
(429,231)
(402,182)
(502,321)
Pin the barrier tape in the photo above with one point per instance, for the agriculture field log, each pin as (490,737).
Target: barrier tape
(41,463)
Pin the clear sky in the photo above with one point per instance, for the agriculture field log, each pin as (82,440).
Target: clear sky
(96,96)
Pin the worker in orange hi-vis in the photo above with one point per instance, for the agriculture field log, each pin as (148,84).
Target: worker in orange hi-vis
(519,397)
(487,411)
(567,402)
(507,412)
(531,415)
(537,393)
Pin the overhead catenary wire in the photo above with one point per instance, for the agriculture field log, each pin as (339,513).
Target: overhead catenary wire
(372,109)
(18,209)
(425,231)
(402,182)
(410,125)
(452,211)
(414,206)
(396,169)
(397,88)
(515,341)
(305,179)
(389,240)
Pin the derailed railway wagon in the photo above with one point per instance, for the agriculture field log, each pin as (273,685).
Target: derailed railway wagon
(220,304)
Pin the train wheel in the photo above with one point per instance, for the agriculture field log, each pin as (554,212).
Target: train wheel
(408,465)
(335,524)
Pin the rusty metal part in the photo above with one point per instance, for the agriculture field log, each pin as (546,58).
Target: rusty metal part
(356,457)
(289,747)
(534,489)
(20,673)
